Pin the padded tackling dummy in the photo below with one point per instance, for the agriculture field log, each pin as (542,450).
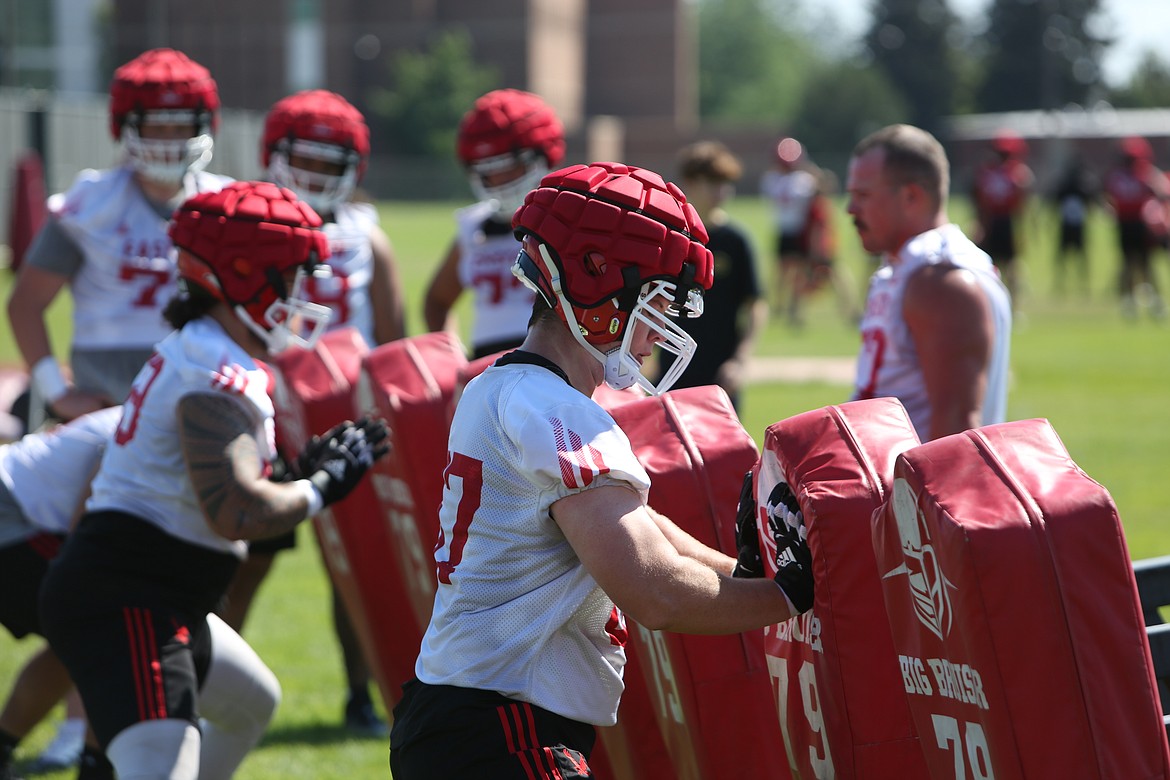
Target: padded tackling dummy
(834,672)
(1014,609)
(709,694)
(409,383)
(314,390)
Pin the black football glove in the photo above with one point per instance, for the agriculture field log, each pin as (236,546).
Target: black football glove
(793,558)
(747,536)
(336,462)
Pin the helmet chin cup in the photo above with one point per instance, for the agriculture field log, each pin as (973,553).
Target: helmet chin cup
(289,322)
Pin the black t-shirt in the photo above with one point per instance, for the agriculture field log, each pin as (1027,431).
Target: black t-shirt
(718,331)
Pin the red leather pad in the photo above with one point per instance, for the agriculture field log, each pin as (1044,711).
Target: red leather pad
(314,390)
(1014,610)
(834,670)
(709,694)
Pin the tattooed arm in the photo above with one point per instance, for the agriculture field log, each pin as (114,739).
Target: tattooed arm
(217,433)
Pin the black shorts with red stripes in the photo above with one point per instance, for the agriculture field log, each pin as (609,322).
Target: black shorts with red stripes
(125,607)
(22,568)
(443,732)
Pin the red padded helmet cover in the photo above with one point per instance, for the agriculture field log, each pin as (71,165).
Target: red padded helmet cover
(621,216)
(506,121)
(316,115)
(161,79)
(234,236)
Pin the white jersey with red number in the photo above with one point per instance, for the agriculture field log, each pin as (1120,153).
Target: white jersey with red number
(887,364)
(515,611)
(351,260)
(143,472)
(128,273)
(48,472)
(502,303)
(792,195)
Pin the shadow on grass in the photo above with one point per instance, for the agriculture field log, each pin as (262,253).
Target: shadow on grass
(316,734)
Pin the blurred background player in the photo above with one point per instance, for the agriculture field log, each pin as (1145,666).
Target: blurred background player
(936,333)
(1137,192)
(106,237)
(507,141)
(184,484)
(317,144)
(734,309)
(44,480)
(791,187)
(1074,195)
(999,193)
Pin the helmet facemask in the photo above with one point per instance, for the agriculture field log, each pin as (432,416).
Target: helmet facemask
(509,195)
(656,306)
(168,160)
(288,320)
(324,192)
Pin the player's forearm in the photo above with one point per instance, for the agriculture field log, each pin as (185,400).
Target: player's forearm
(690,547)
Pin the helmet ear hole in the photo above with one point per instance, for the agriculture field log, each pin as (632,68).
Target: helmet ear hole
(594,264)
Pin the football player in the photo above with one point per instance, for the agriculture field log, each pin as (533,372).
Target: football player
(44,479)
(182,487)
(1138,192)
(999,193)
(106,237)
(546,540)
(318,145)
(507,142)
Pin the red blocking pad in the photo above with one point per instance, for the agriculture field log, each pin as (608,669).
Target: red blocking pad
(314,390)
(834,671)
(709,694)
(1015,613)
(409,383)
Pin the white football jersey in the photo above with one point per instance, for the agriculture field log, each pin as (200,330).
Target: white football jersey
(128,272)
(515,611)
(502,303)
(48,472)
(347,291)
(143,471)
(792,195)
(887,364)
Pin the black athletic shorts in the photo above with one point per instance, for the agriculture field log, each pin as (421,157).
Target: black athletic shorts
(1072,235)
(125,607)
(442,733)
(792,244)
(1133,235)
(22,568)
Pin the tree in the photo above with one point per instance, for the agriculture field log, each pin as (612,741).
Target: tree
(912,44)
(752,60)
(1148,87)
(430,92)
(1042,54)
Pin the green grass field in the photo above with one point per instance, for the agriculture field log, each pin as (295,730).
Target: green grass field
(1102,381)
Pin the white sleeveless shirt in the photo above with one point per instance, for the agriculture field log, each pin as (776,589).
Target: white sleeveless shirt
(143,471)
(128,274)
(888,365)
(502,303)
(515,611)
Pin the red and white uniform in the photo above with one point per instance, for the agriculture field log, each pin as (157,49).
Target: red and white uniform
(515,611)
(143,472)
(502,303)
(347,292)
(127,274)
(887,364)
(792,195)
(48,473)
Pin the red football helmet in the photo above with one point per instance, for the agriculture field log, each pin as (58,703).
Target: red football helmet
(324,126)
(164,87)
(601,243)
(238,245)
(1009,144)
(509,129)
